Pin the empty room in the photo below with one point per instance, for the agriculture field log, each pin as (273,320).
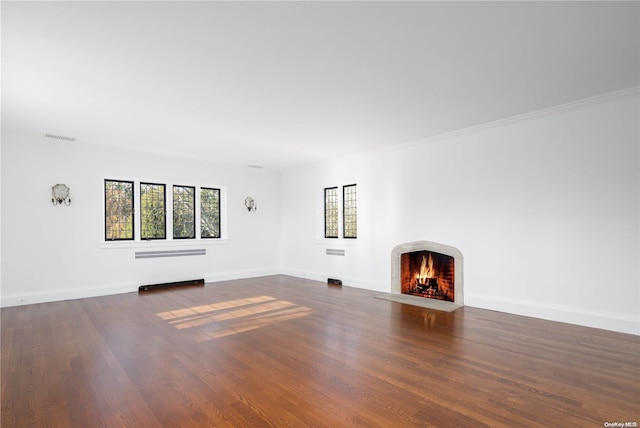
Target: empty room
(320,213)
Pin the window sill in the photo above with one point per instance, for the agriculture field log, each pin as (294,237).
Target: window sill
(346,242)
(162,243)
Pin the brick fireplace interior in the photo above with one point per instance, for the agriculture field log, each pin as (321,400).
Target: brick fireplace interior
(428,274)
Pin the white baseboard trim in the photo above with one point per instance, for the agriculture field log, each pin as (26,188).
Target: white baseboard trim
(230,276)
(71,294)
(68,294)
(604,320)
(382,287)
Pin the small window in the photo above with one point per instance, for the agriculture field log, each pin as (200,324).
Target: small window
(209,213)
(118,210)
(331,212)
(153,215)
(184,212)
(350,211)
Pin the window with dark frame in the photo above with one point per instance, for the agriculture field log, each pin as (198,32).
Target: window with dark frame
(118,210)
(153,213)
(121,202)
(184,212)
(350,212)
(209,212)
(331,212)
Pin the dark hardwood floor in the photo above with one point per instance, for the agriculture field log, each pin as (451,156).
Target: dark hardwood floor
(281,351)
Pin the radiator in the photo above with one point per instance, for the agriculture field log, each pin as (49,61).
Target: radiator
(171,284)
(334,252)
(170,253)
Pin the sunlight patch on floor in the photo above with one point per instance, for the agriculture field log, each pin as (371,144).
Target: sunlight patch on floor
(254,323)
(238,313)
(234,316)
(204,309)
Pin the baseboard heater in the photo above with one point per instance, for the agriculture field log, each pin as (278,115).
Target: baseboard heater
(151,287)
(170,253)
(335,252)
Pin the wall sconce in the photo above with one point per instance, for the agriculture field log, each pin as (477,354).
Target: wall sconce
(250,204)
(60,195)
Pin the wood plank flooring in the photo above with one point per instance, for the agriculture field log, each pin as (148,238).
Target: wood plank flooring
(280,351)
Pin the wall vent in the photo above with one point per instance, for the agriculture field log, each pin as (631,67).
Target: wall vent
(334,252)
(170,253)
(59,137)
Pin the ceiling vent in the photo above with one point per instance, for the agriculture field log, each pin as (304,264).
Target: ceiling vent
(59,137)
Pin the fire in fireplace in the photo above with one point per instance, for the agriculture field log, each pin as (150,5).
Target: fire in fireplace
(428,274)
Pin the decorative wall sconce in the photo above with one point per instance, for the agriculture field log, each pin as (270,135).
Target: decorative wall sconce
(60,195)
(250,204)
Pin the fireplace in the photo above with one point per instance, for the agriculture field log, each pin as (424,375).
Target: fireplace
(428,274)
(427,269)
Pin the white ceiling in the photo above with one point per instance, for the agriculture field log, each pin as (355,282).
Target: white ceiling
(281,84)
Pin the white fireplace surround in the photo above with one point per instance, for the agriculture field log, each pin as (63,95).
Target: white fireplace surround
(410,247)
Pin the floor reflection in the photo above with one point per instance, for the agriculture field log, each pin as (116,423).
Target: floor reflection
(233,316)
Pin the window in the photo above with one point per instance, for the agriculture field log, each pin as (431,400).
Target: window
(209,213)
(331,212)
(347,207)
(153,215)
(162,211)
(184,212)
(350,212)
(118,210)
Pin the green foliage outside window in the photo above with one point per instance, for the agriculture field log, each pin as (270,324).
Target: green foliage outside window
(184,212)
(209,213)
(118,206)
(119,213)
(350,218)
(349,212)
(331,212)
(152,211)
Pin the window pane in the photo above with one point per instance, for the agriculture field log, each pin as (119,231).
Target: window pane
(184,213)
(118,210)
(209,213)
(331,212)
(153,217)
(350,217)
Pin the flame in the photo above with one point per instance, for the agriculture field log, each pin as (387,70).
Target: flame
(426,269)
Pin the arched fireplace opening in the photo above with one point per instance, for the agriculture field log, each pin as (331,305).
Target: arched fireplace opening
(427,269)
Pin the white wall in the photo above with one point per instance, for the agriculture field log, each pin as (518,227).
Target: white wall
(544,208)
(58,252)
